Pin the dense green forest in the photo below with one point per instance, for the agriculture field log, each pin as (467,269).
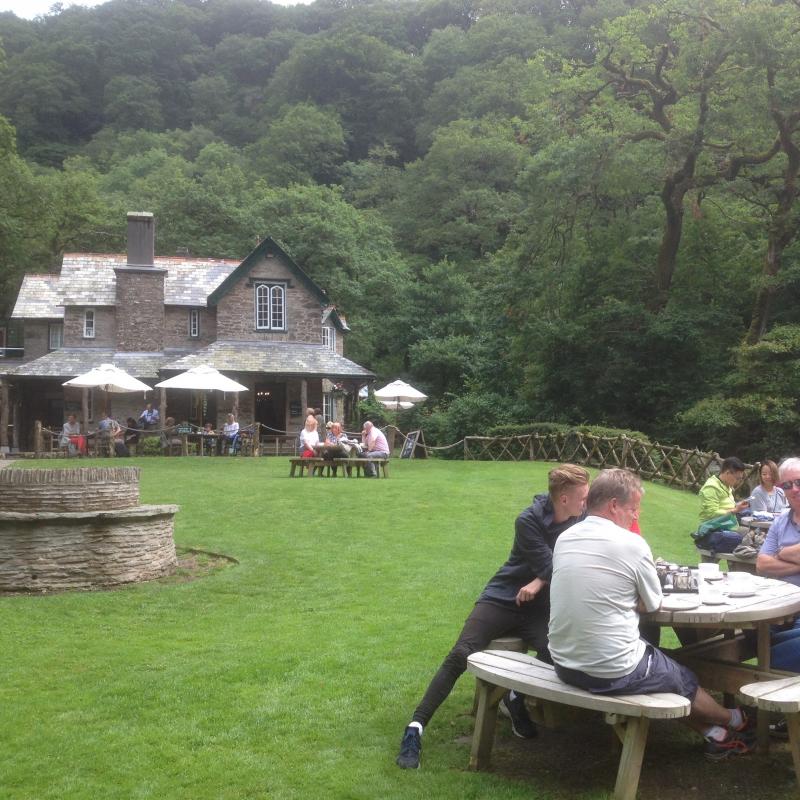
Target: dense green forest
(581,211)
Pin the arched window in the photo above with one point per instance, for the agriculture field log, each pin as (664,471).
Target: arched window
(270,307)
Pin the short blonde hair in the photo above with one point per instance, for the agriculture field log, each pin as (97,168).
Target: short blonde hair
(563,478)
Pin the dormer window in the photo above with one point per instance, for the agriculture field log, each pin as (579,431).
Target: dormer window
(328,337)
(194,322)
(88,323)
(270,307)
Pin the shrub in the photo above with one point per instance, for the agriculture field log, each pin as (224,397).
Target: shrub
(150,446)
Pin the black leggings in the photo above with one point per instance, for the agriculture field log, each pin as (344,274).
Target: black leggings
(486,622)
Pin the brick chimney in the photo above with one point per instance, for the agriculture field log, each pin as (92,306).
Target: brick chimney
(140,310)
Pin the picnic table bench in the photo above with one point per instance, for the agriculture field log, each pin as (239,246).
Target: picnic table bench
(332,465)
(496,671)
(735,563)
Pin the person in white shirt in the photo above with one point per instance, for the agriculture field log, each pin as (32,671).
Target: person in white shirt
(603,579)
(375,446)
(230,431)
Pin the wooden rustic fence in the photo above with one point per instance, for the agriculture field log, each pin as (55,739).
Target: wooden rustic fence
(671,465)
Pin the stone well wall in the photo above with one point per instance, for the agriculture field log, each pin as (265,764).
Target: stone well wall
(57,542)
(84,489)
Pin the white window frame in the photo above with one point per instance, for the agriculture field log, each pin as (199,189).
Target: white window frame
(329,337)
(328,406)
(55,335)
(270,306)
(89,324)
(194,323)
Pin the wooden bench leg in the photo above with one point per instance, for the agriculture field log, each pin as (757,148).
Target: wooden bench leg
(291,470)
(632,731)
(489,696)
(793,724)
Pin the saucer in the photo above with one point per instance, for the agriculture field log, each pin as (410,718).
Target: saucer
(749,593)
(714,601)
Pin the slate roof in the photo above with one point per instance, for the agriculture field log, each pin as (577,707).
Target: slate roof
(39,298)
(88,279)
(276,358)
(67,362)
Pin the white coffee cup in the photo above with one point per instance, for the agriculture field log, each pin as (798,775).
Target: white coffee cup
(711,593)
(740,582)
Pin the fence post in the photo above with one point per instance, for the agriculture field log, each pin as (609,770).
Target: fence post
(38,439)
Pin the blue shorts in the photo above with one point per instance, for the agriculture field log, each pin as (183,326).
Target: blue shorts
(656,672)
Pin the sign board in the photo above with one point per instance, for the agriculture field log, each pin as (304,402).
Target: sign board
(414,446)
(181,429)
(295,409)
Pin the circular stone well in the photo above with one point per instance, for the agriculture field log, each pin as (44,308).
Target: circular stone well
(83,528)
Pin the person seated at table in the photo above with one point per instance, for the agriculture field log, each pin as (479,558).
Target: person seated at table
(603,578)
(375,446)
(149,418)
(209,439)
(230,434)
(309,438)
(768,496)
(107,431)
(779,557)
(351,445)
(71,436)
(716,495)
(334,446)
(513,603)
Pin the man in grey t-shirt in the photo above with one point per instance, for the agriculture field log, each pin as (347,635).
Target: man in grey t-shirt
(603,579)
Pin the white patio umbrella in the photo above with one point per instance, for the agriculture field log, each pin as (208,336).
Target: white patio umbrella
(202,379)
(110,379)
(396,405)
(400,392)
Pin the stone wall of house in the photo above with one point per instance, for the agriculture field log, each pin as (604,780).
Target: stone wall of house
(140,309)
(236,310)
(104,326)
(176,327)
(37,339)
(48,545)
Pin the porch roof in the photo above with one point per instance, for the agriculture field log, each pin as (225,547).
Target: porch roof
(67,362)
(276,358)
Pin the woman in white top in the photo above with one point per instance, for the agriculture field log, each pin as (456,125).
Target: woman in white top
(230,430)
(767,496)
(309,438)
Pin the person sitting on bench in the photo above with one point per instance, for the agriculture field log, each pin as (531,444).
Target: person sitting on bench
(514,603)
(603,578)
(375,446)
(230,434)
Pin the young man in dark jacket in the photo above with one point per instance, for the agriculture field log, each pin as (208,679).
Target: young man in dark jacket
(515,602)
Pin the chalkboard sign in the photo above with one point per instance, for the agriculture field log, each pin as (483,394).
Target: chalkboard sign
(414,445)
(181,429)
(295,409)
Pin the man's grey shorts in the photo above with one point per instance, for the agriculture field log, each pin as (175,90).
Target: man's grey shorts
(656,672)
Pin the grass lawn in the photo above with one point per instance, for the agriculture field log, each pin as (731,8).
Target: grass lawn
(293,673)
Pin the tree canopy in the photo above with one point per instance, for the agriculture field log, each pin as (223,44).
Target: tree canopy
(578,211)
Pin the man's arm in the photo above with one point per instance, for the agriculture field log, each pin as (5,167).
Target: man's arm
(774,567)
(530,590)
(532,542)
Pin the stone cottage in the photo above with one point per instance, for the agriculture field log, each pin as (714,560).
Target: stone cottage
(261,321)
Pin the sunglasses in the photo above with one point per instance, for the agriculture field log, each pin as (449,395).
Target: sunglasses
(787,485)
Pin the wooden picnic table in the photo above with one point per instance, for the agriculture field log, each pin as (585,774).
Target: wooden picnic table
(718,660)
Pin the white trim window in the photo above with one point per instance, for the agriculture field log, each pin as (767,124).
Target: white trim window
(270,302)
(194,323)
(55,335)
(88,324)
(329,337)
(328,408)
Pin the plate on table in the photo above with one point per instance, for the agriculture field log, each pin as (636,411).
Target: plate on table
(684,603)
(715,601)
(748,593)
